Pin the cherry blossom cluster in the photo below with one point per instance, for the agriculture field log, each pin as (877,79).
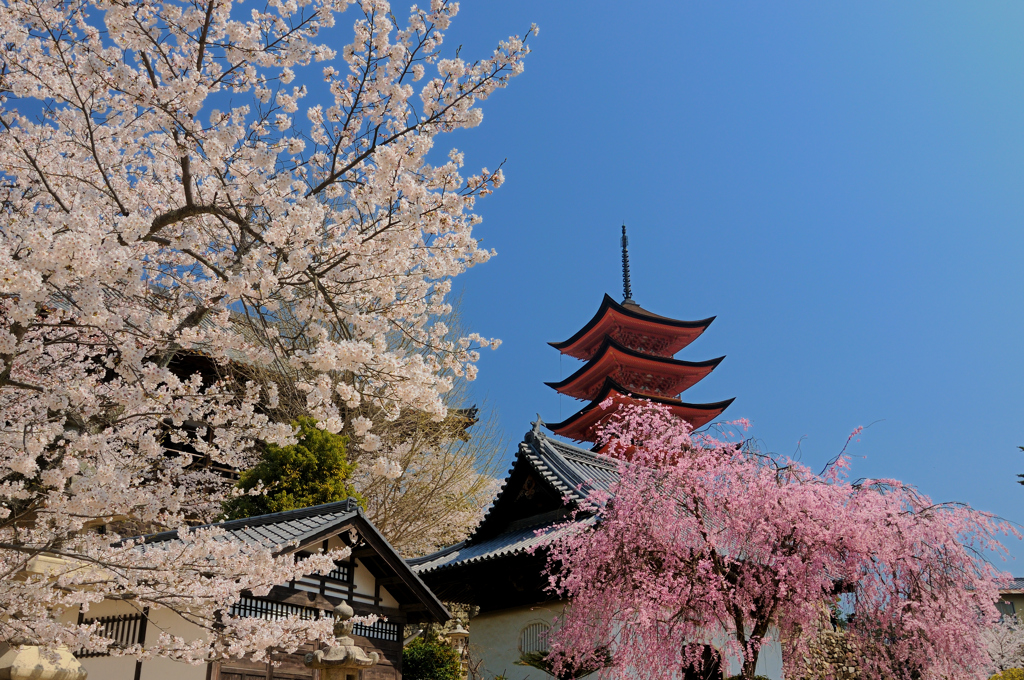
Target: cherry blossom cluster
(386,467)
(425,493)
(705,541)
(1005,644)
(187,178)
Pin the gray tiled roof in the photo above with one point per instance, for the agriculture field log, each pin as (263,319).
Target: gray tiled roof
(300,526)
(1016,586)
(280,528)
(503,545)
(569,470)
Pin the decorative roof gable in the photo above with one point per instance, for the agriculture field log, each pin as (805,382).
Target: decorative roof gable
(547,478)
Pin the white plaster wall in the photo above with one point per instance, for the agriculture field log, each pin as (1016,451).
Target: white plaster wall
(769,662)
(164,621)
(386,599)
(109,668)
(123,668)
(494,640)
(363,581)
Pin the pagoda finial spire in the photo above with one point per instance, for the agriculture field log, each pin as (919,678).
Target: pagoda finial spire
(627,289)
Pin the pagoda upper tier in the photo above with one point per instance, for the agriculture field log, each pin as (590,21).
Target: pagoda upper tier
(633,327)
(629,353)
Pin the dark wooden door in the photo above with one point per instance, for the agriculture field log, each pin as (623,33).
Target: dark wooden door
(234,674)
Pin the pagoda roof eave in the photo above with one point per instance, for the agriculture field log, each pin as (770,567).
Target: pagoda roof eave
(611,386)
(633,311)
(610,345)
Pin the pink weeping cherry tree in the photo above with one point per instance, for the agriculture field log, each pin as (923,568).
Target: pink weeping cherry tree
(203,177)
(706,542)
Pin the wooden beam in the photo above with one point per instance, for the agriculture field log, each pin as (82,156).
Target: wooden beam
(415,607)
(396,565)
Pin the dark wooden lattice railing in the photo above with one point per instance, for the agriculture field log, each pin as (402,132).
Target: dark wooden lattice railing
(124,630)
(254,607)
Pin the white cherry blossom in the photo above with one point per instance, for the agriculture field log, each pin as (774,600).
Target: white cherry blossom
(210,182)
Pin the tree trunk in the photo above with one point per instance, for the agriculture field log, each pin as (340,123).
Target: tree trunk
(749,664)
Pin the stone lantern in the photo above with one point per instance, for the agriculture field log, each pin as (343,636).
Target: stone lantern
(459,639)
(28,662)
(344,660)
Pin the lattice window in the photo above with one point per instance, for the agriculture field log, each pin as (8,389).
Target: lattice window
(382,630)
(341,572)
(253,608)
(534,638)
(124,629)
(334,583)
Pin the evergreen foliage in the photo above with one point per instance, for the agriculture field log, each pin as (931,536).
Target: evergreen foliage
(316,470)
(431,659)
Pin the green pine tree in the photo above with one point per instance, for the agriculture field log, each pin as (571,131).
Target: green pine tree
(315,470)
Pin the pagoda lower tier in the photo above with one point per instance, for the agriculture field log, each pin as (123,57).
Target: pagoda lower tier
(635,371)
(584,424)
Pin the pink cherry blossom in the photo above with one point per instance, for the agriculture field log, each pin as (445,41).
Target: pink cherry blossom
(708,541)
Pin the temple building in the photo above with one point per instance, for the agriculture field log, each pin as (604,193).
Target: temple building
(373,580)
(500,567)
(629,353)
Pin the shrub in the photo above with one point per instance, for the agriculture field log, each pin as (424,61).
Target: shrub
(1009,674)
(431,659)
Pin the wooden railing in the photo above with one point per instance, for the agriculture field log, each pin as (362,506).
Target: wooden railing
(382,630)
(254,607)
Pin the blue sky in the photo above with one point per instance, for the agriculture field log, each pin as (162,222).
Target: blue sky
(842,184)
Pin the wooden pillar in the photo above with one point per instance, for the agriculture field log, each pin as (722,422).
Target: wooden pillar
(142,641)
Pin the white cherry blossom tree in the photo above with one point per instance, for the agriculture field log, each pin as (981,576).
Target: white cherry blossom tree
(191,183)
(1005,643)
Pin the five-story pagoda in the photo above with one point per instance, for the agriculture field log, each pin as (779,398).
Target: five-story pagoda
(629,353)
